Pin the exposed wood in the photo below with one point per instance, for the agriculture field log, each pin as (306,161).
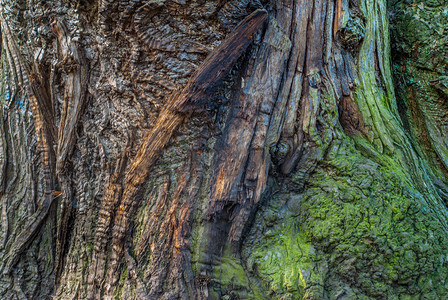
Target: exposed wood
(75,92)
(220,61)
(337,16)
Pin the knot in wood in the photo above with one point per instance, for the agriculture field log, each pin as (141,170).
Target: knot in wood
(279,152)
(352,34)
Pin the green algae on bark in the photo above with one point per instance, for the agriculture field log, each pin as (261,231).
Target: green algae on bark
(358,230)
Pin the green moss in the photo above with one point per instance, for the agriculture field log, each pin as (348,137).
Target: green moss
(284,262)
(231,281)
(368,222)
(197,233)
(89,247)
(230,272)
(420,52)
(353,32)
(118,291)
(360,228)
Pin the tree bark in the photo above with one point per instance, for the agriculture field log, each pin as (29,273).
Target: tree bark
(223,150)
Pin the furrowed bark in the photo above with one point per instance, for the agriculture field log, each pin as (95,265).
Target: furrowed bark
(45,133)
(420,65)
(213,69)
(278,166)
(241,163)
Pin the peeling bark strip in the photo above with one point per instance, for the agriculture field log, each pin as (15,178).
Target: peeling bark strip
(215,67)
(207,77)
(220,61)
(75,92)
(74,65)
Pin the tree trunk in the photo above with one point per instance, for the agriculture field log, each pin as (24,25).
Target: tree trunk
(223,150)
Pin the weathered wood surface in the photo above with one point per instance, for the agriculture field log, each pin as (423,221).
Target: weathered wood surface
(240,184)
(220,61)
(215,67)
(45,134)
(71,62)
(240,162)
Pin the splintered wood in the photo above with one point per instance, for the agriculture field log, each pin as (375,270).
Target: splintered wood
(75,93)
(241,162)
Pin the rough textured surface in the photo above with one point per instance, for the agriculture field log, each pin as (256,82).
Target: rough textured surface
(358,230)
(420,55)
(367,221)
(223,150)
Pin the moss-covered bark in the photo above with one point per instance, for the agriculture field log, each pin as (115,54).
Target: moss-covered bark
(280,167)
(369,221)
(420,56)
